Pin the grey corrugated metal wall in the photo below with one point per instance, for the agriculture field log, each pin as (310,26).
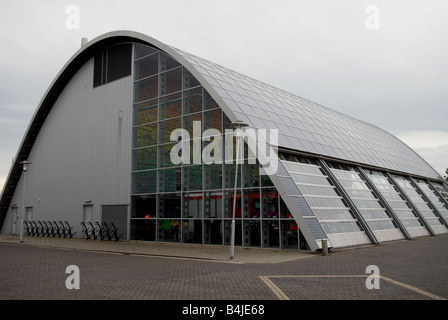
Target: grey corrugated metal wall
(83,152)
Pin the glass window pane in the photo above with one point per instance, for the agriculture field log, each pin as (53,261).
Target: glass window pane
(270,203)
(170,205)
(228,204)
(251,203)
(193,204)
(270,233)
(119,61)
(193,100)
(213,176)
(170,180)
(192,178)
(226,122)
(145,182)
(189,123)
(266,181)
(252,233)
(213,231)
(98,69)
(251,175)
(290,237)
(213,120)
(144,206)
(171,81)
(145,135)
(210,103)
(167,127)
(284,210)
(167,63)
(227,232)
(169,230)
(143,230)
(171,106)
(142,50)
(145,159)
(146,112)
(230,176)
(192,231)
(146,67)
(165,155)
(213,205)
(189,80)
(146,89)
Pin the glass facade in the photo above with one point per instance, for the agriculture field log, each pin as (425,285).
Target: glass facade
(191,201)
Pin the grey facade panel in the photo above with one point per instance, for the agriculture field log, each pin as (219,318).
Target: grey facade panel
(116,214)
(82,152)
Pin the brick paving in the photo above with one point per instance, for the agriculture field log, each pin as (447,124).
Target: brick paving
(35,270)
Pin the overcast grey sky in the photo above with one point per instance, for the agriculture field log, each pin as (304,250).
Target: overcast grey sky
(393,75)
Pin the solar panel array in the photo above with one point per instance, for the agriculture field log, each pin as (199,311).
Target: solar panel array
(307,126)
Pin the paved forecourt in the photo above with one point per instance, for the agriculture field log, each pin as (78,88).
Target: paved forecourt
(36,269)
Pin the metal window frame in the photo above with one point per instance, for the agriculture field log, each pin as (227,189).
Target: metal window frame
(409,201)
(429,201)
(383,201)
(349,201)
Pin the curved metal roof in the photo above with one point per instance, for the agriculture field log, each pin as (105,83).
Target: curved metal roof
(307,126)
(303,125)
